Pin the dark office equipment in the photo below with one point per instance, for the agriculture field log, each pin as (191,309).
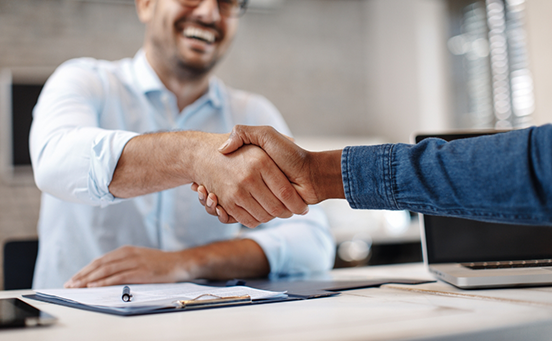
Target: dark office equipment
(19,263)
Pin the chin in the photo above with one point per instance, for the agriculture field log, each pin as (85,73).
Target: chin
(197,69)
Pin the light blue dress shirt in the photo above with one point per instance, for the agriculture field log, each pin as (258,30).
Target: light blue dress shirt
(88,110)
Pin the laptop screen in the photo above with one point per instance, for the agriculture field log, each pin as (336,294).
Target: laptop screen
(455,240)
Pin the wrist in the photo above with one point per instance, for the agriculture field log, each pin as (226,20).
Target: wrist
(189,265)
(327,179)
(200,154)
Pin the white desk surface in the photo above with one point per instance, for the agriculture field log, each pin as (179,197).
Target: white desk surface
(392,312)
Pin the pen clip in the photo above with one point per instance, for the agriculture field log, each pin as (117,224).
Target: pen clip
(217,301)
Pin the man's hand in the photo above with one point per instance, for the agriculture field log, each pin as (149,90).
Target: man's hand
(131,264)
(315,176)
(248,183)
(239,258)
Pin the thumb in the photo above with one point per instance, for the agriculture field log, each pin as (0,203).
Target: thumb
(240,135)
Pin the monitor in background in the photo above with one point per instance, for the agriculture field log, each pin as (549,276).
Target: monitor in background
(17,100)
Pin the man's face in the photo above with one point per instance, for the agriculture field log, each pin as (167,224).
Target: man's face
(189,39)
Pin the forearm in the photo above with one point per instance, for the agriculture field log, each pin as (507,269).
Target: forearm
(159,161)
(239,258)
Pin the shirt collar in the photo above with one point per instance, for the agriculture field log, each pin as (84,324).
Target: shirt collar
(146,78)
(148,81)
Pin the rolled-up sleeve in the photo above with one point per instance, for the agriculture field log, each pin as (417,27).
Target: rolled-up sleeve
(73,159)
(367,177)
(297,245)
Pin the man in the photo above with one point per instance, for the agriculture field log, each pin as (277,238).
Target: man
(112,143)
(505,177)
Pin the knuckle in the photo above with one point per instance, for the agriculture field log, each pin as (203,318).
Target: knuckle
(276,210)
(126,248)
(287,193)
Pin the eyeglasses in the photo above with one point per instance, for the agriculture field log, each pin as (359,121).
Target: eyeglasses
(227,8)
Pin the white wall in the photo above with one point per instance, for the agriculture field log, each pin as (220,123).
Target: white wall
(406,67)
(333,67)
(539,36)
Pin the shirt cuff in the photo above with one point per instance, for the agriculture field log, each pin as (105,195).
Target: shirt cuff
(368,178)
(104,156)
(297,245)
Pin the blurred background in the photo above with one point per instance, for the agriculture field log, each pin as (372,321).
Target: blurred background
(342,72)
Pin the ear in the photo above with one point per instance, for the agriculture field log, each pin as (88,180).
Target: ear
(145,9)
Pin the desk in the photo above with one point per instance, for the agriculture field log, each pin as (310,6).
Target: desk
(391,312)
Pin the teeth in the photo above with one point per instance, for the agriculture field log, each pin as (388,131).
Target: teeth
(194,32)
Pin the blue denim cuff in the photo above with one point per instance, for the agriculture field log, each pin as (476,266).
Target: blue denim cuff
(367,177)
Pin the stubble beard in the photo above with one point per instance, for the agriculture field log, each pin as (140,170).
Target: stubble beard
(191,71)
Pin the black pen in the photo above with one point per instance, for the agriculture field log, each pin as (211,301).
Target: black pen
(127,296)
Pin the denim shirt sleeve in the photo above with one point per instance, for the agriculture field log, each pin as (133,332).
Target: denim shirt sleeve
(505,177)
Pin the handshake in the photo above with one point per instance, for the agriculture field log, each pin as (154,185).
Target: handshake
(281,178)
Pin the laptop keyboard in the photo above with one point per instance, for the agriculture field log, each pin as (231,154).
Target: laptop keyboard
(535,263)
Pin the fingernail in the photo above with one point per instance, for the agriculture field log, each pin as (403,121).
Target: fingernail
(201,195)
(305,211)
(224,145)
(209,202)
(218,211)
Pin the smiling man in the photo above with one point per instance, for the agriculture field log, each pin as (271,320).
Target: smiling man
(114,143)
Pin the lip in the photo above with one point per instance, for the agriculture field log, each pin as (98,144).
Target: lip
(200,33)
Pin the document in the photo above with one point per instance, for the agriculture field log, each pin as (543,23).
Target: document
(146,298)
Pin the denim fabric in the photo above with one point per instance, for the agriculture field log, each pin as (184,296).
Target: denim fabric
(505,177)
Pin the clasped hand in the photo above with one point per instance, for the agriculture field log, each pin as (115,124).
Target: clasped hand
(302,169)
(250,186)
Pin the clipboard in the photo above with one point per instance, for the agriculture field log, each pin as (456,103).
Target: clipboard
(208,304)
(150,302)
(297,289)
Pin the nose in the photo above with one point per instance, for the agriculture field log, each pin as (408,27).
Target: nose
(208,11)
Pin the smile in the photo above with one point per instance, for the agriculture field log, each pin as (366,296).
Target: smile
(198,33)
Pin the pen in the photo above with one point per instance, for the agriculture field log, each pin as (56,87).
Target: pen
(126,294)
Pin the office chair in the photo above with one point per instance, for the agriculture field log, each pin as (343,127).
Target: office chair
(19,263)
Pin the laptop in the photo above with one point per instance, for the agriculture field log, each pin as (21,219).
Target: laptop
(471,254)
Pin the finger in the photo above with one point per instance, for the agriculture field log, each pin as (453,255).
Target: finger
(284,191)
(127,277)
(213,208)
(194,186)
(234,141)
(211,204)
(260,201)
(109,270)
(257,135)
(223,216)
(265,195)
(118,254)
(243,216)
(202,195)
